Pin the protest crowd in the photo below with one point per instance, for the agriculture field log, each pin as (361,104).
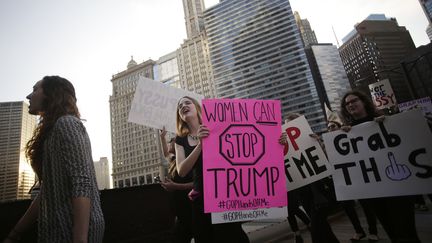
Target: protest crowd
(232,161)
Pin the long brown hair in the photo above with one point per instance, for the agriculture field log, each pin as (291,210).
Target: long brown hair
(59,100)
(367,102)
(182,128)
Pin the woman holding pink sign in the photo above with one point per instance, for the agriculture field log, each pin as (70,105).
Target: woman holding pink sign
(188,147)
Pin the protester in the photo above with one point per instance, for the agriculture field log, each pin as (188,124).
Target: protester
(396,214)
(333,124)
(315,200)
(179,187)
(188,147)
(67,209)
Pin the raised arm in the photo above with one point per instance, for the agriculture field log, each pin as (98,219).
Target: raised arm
(162,134)
(183,164)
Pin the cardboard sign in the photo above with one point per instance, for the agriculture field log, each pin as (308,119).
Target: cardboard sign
(424,104)
(154,104)
(392,158)
(305,161)
(242,158)
(382,94)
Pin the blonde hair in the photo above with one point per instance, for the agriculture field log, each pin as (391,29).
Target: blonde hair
(182,128)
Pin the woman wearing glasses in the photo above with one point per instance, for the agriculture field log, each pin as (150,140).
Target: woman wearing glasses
(396,214)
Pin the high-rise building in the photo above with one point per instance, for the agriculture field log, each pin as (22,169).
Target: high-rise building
(16,129)
(418,71)
(256,52)
(427,8)
(193,56)
(135,148)
(373,52)
(306,31)
(166,70)
(193,12)
(103,173)
(329,73)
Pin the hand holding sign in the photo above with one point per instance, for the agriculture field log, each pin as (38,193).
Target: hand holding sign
(395,171)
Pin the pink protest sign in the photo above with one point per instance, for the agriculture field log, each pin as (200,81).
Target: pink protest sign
(242,159)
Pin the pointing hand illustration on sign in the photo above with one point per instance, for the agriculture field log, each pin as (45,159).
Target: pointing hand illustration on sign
(395,171)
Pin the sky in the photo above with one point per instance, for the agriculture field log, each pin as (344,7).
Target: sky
(88,41)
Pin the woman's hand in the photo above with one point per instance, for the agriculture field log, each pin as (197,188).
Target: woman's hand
(168,185)
(283,139)
(203,132)
(379,118)
(162,132)
(346,128)
(315,136)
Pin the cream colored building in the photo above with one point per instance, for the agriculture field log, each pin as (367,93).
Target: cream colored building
(16,129)
(193,55)
(103,173)
(135,148)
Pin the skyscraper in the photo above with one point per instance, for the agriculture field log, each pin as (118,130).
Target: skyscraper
(16,129)
(193,11)
(166,70)
(373,51)
(427,8)
(193,56)
(307,34)
(103,173)
(135,148)
(256,52)
(329,73)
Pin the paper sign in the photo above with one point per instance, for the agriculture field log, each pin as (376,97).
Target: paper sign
(242,158)
(424,104)
(154,104)
(392,158)
(305,161)
(382,94)
(247,215)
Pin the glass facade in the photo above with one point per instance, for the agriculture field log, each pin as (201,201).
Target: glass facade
(256,52)
(332,73)
(16,129)
(166,70)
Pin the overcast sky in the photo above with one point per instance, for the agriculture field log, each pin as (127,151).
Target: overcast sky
(87,41)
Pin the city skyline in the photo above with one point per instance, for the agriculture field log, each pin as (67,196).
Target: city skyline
(88,42)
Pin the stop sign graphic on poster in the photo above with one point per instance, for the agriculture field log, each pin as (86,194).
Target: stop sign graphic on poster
(242,144)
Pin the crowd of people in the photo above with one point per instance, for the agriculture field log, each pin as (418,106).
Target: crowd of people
(60,154)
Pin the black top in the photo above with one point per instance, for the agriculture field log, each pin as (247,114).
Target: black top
(197,170)
(362,120)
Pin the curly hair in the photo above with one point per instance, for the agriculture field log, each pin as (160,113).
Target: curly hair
(182,128)
(59,100)
(367,102)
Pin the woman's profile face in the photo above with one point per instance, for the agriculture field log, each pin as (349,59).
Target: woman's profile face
(186,108)
(36,99)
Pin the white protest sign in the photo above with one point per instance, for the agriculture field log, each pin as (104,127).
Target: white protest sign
(382,159)
(305,161)
(424,104)
(246,215)
(382,94)
(155,104)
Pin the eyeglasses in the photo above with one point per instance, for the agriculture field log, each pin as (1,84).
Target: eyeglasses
(351,101)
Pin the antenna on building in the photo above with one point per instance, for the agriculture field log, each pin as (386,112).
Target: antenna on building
(334,33)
